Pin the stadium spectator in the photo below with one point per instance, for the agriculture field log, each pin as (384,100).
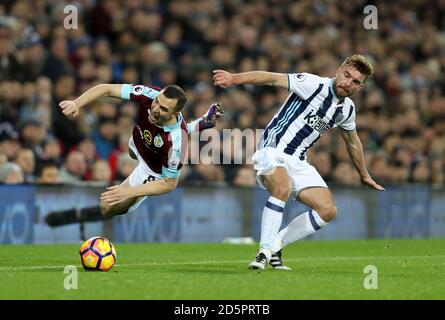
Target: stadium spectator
(31,55)
(122,148)
(88,149)
(105,137)
(345,174)
(3,159)
(205,171)
(322,161)
(52,151)
(420,171)
(101,171)
(33,136)
(74,168)
(437,171)
(11,173)
(26,160)
(57,63)
(125,166)
(134,41)
(245,177)
(47,172)
(9,141)
(66,130)
(9,66)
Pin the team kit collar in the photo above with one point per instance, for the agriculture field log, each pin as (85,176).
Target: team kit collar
(173,126)
(331,88)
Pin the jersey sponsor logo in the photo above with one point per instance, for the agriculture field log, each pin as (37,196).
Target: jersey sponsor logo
(148,137)
(300,77)
(158,142)
(316,123)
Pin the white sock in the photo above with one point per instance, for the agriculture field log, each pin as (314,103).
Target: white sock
(271,222)
(302,226)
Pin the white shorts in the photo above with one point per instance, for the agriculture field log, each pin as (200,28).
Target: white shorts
(141,174)
(301,173)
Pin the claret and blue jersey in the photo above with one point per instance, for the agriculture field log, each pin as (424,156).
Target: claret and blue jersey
(311,109)
(162,148)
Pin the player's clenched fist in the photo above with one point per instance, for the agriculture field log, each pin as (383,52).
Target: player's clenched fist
(69,108)
(222,78)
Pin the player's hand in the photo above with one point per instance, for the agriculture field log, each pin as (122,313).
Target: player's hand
(214,113)
(116,195)
(70,108)
(372,184)
(222,78)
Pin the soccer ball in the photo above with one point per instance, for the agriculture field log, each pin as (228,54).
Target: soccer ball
(98,254)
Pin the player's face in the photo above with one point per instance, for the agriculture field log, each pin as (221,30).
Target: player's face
(348,80)
(162,110)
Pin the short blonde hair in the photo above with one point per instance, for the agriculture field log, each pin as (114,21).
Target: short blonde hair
(361,63)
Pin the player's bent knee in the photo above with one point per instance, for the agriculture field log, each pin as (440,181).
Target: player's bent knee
(281,192)
(105,209)
(327,213)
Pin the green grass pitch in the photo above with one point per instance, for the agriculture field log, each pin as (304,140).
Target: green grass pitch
(407,269)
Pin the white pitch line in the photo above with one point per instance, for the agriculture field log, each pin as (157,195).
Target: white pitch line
(204,262)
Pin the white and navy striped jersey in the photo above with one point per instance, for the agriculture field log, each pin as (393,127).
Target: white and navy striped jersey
(311,109)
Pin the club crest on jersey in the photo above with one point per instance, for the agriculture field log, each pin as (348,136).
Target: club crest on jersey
(316,123)
(158,142)
(147,136)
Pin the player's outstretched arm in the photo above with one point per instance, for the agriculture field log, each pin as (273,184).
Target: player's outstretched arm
(208,120)
(71,108)
(226,79)
(355,151)
(118,193)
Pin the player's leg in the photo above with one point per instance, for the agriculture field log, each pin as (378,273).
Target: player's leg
(323,210)
(277,182)
(121,208)
(321,200)
(89,214)
(311,190)
(279,186)
(140,175)
(272,175)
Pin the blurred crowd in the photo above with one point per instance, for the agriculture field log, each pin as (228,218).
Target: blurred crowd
(400,112)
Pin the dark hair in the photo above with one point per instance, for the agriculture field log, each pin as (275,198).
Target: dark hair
(176,92)
(43,165)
